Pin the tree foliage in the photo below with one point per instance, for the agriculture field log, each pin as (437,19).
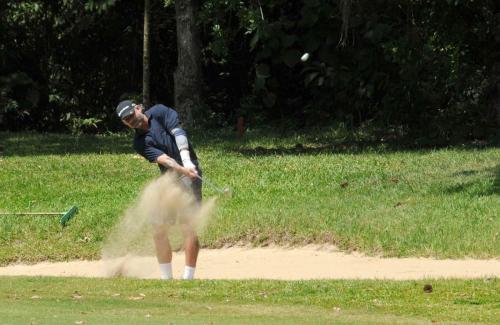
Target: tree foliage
(416,67)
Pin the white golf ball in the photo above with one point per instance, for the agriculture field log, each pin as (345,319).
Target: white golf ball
(304,57)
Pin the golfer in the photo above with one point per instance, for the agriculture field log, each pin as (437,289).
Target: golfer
(159,139)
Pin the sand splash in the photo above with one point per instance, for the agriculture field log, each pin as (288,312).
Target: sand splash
(165,198)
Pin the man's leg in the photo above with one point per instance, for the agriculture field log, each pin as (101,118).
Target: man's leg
(191,247)
(163,250)
(191,243)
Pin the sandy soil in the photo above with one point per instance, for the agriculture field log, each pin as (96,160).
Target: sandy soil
(312,262)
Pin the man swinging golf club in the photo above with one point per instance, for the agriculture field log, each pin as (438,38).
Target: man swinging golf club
(160,140)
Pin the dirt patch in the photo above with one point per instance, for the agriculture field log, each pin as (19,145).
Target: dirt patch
(311,262)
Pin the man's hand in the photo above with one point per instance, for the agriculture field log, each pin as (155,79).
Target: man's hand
(189,169)
(190,172)
(188,165)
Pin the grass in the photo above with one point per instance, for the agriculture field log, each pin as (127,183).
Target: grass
(125,301)
(288,189)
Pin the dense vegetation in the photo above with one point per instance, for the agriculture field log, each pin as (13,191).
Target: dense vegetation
(416,67)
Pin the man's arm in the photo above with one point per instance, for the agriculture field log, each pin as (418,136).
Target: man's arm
(172,125)
(183,146)
(167,161)
(155,155)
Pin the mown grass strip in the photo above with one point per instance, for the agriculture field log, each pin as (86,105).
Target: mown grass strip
(126,301)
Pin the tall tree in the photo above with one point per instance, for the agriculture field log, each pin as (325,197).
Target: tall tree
(145,57)
(187,76)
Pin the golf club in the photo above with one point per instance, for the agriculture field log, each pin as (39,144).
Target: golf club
(226,190)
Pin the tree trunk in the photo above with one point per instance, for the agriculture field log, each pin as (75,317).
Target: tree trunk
(345,8)
(145,57)
(496,104)
(187,77)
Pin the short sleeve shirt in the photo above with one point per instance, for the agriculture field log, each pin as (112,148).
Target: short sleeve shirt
(158,139)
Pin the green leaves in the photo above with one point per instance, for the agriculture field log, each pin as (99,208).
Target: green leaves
(416,64)
(254,40)
(262,70)
(99,5)
(288,40)
(319,74)
(291,57)
(309,17)
(269,99)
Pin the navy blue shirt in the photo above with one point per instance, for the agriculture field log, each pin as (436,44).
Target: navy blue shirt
(158,139)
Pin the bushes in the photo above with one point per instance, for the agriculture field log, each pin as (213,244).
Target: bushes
(423,67)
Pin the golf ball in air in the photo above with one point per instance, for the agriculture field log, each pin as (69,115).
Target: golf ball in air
(304,57)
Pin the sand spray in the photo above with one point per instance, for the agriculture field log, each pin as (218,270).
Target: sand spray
(131,239)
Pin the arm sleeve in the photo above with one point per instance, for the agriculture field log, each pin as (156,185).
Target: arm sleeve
(173,127)
(180,139)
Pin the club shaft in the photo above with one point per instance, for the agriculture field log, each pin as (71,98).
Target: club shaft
(212,185)
(30,213)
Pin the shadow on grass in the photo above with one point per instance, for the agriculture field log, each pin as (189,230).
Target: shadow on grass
(330,140)
(494,189)
(357,147)
(337,146)
(257,143)
(29,144)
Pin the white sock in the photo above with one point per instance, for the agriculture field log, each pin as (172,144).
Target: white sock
(166,271)
(188,272)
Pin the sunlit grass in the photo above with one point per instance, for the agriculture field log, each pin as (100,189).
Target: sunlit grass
(125,301)
(292,189)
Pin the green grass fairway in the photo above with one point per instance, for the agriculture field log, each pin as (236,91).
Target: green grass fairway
(121,301)
(291,189)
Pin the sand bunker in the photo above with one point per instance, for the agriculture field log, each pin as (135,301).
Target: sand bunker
(129,251)
(312,262)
